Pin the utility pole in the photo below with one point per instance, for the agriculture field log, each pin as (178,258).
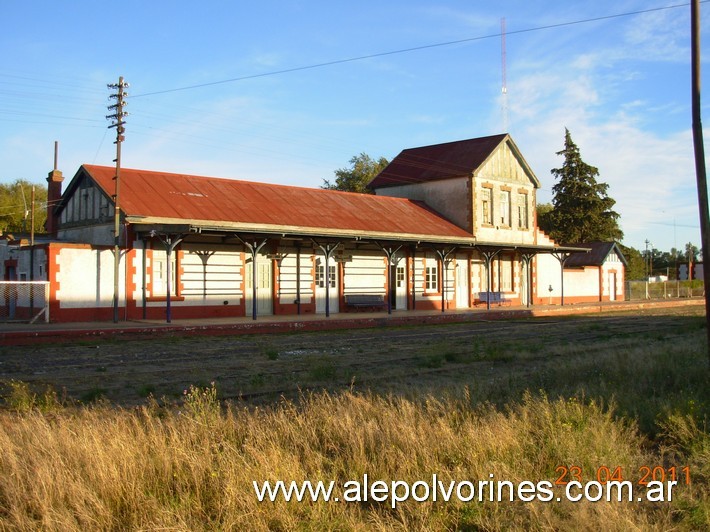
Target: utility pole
(32,251)
(647,261)
(32,221)
(117,121)
(699,146)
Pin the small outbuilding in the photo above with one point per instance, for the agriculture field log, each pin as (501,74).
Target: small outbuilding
(598,275)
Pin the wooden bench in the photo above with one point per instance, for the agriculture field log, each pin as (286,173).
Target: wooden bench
(495,298)
(359,301)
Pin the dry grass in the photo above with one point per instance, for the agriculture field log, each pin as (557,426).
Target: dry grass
(100,468)
(105,469)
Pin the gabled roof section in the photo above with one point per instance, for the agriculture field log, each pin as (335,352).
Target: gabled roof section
(599,253)
(445,161)
(158,197)
(82,179)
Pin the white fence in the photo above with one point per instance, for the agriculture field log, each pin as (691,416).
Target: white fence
(24,301)
(637,290)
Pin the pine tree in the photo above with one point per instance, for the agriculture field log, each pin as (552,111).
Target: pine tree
(582,210)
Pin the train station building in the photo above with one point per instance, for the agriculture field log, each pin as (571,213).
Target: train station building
(449,226)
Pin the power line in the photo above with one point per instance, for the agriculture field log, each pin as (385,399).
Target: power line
(412,49)
(10,210)
(673,224)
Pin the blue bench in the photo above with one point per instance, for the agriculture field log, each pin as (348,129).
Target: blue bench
(494,298)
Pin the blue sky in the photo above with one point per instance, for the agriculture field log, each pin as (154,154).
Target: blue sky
(621,85)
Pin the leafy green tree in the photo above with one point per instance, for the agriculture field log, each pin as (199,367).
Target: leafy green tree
(636,269)
(16,207)
(362,170)
(675,255)
(582,210)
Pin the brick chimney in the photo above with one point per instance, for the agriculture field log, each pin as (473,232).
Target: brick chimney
(54,194)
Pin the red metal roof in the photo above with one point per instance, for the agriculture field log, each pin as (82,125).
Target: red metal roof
(442,161)
(207,199)
(597,255)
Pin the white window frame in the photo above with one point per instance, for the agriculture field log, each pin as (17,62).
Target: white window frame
(523,213)
(320,275)
(159,273)
(487,206)
(504,208)
(400,276)
(431,276)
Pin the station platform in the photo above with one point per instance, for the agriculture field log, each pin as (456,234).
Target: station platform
(37,333)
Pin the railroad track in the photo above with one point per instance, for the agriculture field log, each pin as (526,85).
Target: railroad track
(374,356)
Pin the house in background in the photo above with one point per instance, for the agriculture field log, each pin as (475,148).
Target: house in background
(450,226)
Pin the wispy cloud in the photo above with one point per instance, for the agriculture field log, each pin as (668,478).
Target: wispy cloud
(650,172)
(661,35)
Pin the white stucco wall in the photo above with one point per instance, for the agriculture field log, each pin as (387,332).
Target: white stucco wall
(548,275)
(579,282)
(365,274)
(290,278)
(85,278)
(449,197)
(582,282)
(219,281)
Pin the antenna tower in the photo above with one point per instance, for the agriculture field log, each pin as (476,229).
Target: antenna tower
(504,90)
